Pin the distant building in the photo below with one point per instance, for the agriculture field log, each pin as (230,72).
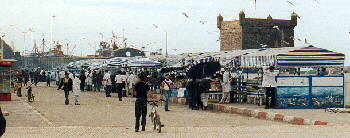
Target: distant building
(254,33)
(128,52)
(5,50)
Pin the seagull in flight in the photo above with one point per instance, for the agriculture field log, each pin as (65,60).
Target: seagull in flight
(203,22)
(186,15)
(294,38)
(155,26)
(262,45)
(276,27)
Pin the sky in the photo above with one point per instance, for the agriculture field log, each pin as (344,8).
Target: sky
(324,23)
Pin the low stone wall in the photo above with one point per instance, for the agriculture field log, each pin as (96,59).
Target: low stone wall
(249,112)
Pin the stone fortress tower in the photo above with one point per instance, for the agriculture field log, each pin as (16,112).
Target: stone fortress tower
(255,33)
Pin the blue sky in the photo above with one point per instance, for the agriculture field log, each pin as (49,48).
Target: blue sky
(324,24)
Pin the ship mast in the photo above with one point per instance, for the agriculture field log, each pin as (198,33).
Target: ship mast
(43,44)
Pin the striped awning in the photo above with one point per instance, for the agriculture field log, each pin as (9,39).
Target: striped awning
(311,57)
(116,62)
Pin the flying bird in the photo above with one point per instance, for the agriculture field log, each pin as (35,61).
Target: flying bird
(290,3)
(262,45)
(186,15)
(285,42)
(317,1)
(276,27)
(114,35)
(294,38)
(203,22)
(155,26)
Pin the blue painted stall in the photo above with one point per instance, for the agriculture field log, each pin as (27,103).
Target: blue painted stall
(295,92)
(310,91)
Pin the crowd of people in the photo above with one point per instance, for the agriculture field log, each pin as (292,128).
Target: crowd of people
(126,84)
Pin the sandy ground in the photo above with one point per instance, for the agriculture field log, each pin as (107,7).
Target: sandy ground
(98,116)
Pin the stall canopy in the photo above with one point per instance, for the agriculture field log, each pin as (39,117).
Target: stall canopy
(116,62)
(144,62)
(203,68)
(311,57)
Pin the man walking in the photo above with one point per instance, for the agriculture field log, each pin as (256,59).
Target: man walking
(76,89)
(119,85)
(82,79)
(108,84)
(166,87)
(141,90)
(99,79)
(131,83)
(66,85)
(48,79)
(269,83)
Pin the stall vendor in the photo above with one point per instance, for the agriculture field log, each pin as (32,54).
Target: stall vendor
(226,87)
(269,83)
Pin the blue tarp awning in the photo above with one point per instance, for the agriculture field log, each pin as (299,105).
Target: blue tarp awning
(311,57)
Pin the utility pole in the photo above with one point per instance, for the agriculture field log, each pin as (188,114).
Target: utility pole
(43,43)
(24,42)
(124,44)
(51,31)
(67,48)
(95,49)
(166,44)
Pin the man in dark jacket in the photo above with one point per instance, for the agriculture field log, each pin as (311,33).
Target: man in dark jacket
(2,123)
(99,79)
(192,88)
(66,85)
(94,80)
(82,80)
(203,88)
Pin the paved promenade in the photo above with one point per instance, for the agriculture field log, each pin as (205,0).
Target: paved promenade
(98,116)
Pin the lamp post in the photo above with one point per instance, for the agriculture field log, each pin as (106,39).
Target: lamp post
(166,44)
(51,30)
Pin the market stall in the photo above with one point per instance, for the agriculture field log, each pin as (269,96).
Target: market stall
(5,79)
(315,88)
(206,68)
(144,65)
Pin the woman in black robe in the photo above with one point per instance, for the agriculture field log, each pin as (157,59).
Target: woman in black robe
(2,123)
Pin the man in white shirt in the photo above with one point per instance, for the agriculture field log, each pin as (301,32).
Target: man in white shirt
(119,82)
(166,87)
(108,83)
(270,84)
(226,87)
(131,82)
(124,81)
(76,89)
